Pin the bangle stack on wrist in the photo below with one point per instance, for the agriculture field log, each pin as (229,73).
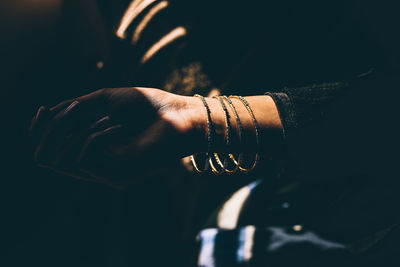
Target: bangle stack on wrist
(210,138)
(212,157)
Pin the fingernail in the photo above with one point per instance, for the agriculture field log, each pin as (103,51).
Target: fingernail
(112,128)
(35,119)
(100,122)
(68,109)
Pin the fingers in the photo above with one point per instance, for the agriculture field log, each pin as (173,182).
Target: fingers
(66,157)
(38,124)
(83,136)
(54,129)
(95,96)
(39,117)
(95,144)
(57,108)
(64,161)
(100,123)
(97,157)
(70,117)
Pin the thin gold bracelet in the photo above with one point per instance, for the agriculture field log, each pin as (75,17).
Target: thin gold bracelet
(209,137)
(228,138)
(240,126)
(257,131)
(193,160)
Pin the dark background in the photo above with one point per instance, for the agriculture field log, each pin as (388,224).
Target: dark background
(49,50)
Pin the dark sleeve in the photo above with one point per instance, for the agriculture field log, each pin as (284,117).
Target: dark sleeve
(342,128)
(299,107)
(338,128)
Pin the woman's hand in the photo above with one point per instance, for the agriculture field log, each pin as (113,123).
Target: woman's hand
(119,136)
(116,136)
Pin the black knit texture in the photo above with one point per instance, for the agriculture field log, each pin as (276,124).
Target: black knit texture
(301,106)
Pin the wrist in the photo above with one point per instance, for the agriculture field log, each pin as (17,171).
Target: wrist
(187,115)
(192,121)
(197,118)
(199,125)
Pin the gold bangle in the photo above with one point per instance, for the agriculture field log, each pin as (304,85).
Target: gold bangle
(231,156)
(209,138)
(193,160)
(213,167)
(228,138)
(257,130)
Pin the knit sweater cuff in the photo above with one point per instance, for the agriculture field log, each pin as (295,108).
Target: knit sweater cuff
(286,111)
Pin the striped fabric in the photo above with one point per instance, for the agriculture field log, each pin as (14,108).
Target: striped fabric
(249,245)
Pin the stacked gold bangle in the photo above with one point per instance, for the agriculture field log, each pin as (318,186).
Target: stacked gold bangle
(221,164)
(211,155)
(210,137)
(257,130)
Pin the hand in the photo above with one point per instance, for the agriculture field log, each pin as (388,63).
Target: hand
(117,136)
